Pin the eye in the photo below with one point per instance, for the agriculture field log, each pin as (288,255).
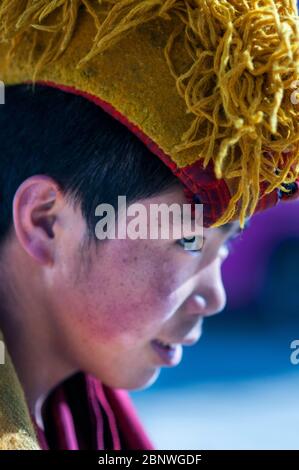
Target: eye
(194,243)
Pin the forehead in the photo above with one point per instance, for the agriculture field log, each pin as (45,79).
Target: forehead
(176,194)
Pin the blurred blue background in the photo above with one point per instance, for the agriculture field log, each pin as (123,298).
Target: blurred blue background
(237,388)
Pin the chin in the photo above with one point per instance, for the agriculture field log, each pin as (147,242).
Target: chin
(133,383)
(148,382)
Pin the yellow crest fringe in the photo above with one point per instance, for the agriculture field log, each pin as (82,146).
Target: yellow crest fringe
(239,85)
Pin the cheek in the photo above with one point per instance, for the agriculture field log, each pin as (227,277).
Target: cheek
(128,297)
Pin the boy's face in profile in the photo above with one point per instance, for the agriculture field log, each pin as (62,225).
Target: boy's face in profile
(129,293)
(104,303)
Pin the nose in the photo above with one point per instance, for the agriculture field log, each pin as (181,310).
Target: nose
(209,296)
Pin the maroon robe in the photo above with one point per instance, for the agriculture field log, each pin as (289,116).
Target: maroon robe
(82,413)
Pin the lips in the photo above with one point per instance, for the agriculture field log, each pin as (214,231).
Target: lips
(182,342)
(164,344)
(191,333)
(168,354)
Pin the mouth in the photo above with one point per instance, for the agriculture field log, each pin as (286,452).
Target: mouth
(168,354)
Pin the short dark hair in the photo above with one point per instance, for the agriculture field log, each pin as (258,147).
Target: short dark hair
(92,156)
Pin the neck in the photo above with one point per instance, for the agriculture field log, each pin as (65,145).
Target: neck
(39,369)
(31,342)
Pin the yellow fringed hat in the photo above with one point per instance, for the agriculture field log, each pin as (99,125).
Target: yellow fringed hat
(210,86)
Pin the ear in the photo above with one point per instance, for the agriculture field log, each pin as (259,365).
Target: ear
(37,205)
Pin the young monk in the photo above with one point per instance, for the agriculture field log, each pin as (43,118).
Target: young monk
(163,102)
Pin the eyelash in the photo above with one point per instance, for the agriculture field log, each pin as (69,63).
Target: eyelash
(228,244)
(181,241)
